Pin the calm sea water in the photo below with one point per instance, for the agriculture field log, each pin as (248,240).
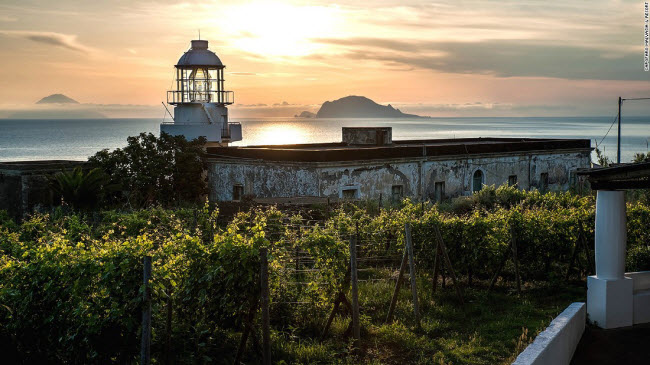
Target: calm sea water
(40,139)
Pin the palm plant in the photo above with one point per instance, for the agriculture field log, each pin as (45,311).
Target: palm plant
(79,189)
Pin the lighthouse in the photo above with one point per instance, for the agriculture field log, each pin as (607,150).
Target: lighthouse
(199,99)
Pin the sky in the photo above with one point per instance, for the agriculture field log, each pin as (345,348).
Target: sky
(440,58)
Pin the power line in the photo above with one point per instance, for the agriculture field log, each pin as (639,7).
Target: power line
(618,144)
(610,128)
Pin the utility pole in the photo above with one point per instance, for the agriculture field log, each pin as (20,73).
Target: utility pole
(618,148)
(620,104)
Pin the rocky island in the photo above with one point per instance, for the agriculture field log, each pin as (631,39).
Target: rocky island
(359,107)
(305,114)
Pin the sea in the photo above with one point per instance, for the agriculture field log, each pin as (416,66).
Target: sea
(77,139)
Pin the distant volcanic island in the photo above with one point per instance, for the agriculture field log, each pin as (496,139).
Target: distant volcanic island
(57,99)
(357,107)
(58,106)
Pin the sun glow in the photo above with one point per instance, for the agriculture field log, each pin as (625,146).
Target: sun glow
(280,29)
(282,133)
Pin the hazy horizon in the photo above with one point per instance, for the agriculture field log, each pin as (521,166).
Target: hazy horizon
(446,58)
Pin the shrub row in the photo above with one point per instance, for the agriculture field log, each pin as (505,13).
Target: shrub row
(70,289)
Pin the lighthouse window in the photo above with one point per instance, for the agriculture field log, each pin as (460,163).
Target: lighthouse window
(477,181)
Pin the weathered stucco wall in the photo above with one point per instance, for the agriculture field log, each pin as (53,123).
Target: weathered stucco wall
(371,180)
(267,179)
(24,185)
(261,180)
(367,136)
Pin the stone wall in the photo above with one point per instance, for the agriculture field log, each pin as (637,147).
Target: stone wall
(379,136)
(417,177)
(24,185)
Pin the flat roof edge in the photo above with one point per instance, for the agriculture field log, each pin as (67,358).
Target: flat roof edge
(339,152)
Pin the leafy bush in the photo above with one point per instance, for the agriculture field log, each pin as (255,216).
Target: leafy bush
(80,189)
(150,170)
(70,289)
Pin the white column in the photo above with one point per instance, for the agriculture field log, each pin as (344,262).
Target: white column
(611,234)
(609,292)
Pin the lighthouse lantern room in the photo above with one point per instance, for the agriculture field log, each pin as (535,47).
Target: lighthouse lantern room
(199,99)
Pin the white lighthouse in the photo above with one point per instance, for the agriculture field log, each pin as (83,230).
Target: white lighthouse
(199,99)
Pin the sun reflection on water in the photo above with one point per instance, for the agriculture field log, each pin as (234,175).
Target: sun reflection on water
(282,133)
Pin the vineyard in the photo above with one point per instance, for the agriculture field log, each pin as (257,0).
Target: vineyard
(479,277)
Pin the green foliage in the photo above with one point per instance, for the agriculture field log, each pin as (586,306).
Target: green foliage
(166,170)
(70,287)
(641,157)
(81,190)
(602,160)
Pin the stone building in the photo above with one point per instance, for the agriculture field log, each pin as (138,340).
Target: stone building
(368,164)
(24,185)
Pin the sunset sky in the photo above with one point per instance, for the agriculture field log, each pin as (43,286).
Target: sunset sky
(442,58)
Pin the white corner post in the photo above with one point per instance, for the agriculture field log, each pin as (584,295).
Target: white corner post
(609,292)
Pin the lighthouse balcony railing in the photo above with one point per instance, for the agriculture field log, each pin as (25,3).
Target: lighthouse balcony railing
(188,96)
(229,128)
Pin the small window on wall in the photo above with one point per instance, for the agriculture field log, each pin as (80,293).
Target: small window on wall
(439,191)
(477,181)
(512,180)
(349,194)
(237,192)
(543,182)
(572,179)
(397,193)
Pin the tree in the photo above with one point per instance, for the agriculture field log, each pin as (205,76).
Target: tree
(79,189)
(165,170)
(641,157)
(603,160)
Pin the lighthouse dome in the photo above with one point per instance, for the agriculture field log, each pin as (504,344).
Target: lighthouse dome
(199,55)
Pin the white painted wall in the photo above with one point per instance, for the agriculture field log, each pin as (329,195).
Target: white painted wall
(557,343)
(211,131)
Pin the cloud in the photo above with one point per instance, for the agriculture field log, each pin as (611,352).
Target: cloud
(6,18)
(501,58)
(284,103)
(67,41)
(250,105)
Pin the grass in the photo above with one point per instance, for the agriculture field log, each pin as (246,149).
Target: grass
(491,328)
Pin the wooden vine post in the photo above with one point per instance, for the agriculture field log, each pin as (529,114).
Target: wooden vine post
(436,266)
(248,329)
(398,285)
(414,290)
(145,347)
(266,321)
(581,242)
(452,273)
(512,248)
(410,258)
(513,243)
(356,329)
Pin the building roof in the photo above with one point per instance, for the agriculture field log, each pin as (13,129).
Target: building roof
(38,166)
(618,177)
(199,55)
(328,152)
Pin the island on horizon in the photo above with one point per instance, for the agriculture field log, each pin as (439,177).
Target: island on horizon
(354,106)
(57,99)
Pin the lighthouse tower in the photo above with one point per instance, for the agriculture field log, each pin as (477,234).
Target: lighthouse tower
(199,99)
